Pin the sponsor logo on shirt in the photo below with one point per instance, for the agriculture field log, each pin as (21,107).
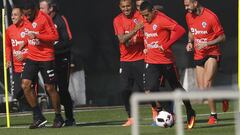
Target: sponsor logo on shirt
(19,52)
(201,40)
(35,32)
(198,32)
(33,42)
(149,35)
(16,42)
(153,45)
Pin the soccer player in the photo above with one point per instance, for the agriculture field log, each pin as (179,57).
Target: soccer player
(127,26)
(16,50)
(156,107)
(62,57)
(160,32)
(41,35)
(204,36)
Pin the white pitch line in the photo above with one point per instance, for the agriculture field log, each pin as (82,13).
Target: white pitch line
(2,115)
(81,124)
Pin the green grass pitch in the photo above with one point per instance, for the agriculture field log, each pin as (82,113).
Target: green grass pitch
(107,121)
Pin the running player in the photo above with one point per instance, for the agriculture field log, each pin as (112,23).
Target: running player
(62,56)
(204,36)
(41,36)
(128,25)
(160,32)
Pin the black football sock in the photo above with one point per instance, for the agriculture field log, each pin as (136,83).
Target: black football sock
(37,111)
(187,105)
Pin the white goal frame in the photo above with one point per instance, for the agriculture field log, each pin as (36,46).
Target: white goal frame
(177,97)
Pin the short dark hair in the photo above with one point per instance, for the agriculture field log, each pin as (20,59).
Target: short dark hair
(193,0)
(131,1)
(146,5)
(17,7)
(28,4)
(52,3)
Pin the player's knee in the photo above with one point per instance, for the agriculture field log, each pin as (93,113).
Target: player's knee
(49,88)
(200,85)
(26,85)
(147,91)
(207,84)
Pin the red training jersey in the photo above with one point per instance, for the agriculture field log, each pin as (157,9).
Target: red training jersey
(41,48)
(158,32)
(123,25)
(204,27)
(16,37)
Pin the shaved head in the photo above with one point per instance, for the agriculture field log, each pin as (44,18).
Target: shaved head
(126,7)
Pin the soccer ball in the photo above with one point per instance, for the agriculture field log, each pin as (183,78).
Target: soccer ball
(164,119)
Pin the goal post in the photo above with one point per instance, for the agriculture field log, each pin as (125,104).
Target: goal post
(177,96)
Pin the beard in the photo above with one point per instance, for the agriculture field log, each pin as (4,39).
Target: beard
(194,11)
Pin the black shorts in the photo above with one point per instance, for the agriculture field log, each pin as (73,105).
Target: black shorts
(203,61)
(131,73)
(156,71)
(31,69)
(16,87)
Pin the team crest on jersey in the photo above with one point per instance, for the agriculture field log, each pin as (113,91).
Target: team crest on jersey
(154,26)
(135,21)
(34,25)
(204,24)
(22,34)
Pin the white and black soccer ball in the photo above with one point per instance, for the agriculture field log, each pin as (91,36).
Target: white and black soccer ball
(164,119)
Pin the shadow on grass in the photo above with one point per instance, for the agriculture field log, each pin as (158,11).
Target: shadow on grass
(101,123)
(223,122)
(83,124)
(216,125)
(219,120)
(19,124)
